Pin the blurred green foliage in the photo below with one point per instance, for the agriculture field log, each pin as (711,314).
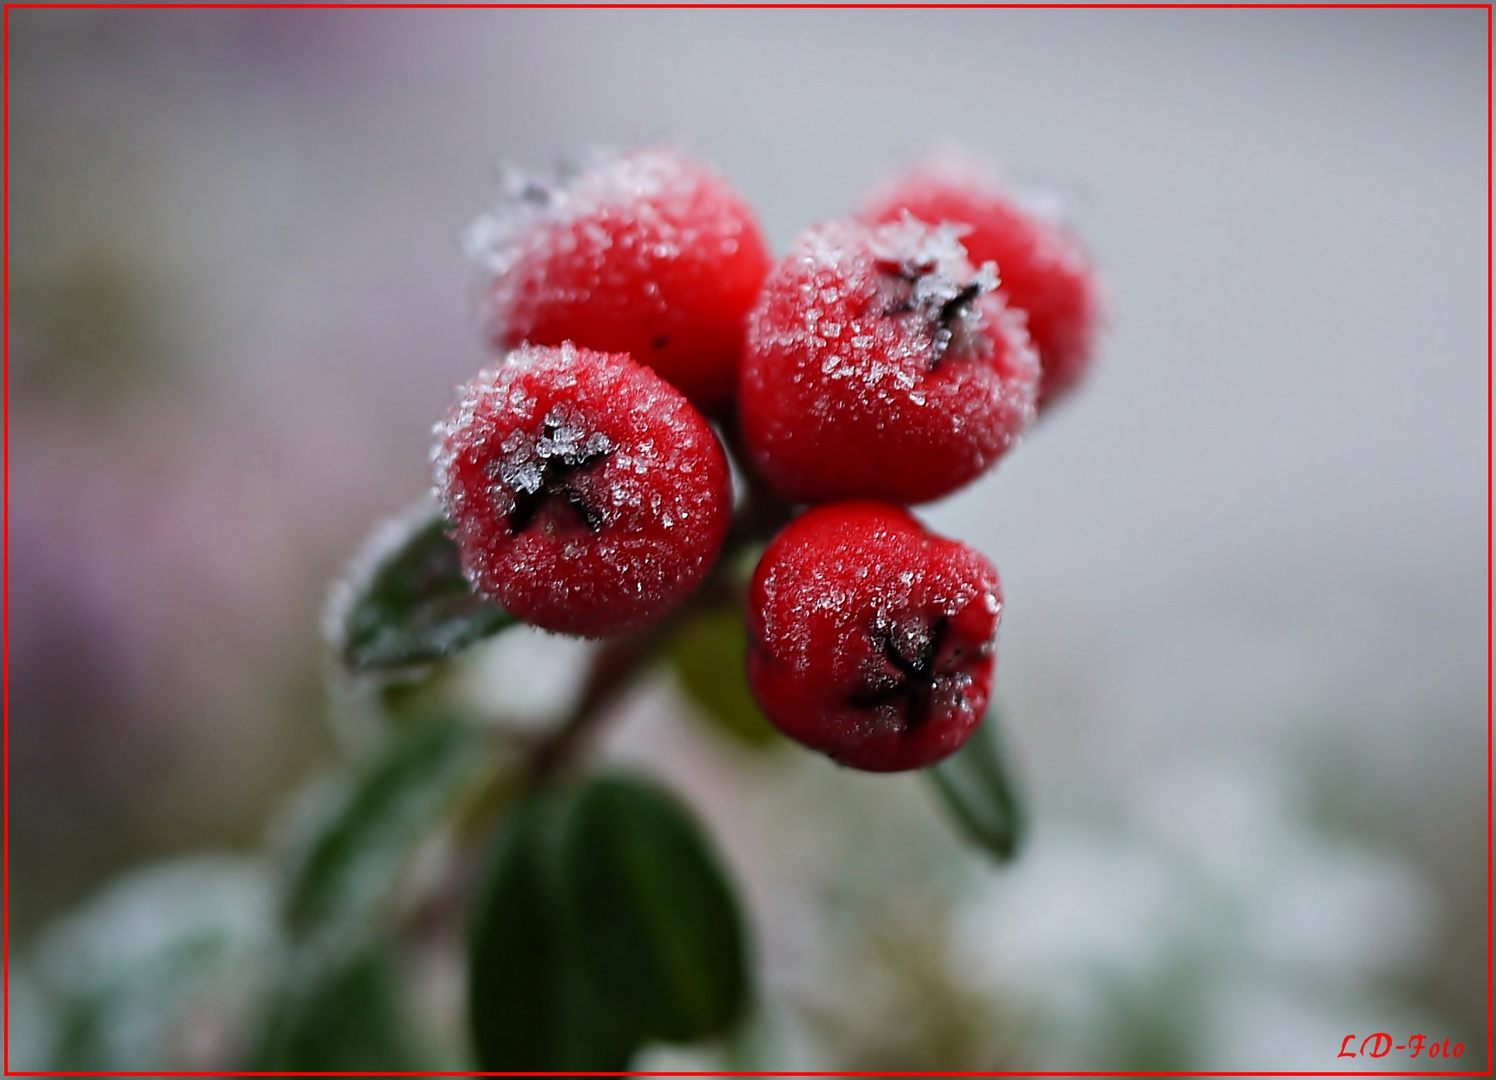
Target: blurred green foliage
(707,657)
(976,786)
(606,923)
(348,1017)
(349,863)
(406,602)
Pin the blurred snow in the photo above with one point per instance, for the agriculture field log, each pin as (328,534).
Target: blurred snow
(525,678)
(161,969)
(1216,898)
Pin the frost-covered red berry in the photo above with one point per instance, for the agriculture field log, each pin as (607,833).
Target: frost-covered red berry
(881,365)
(649,253)
(587,495)
(871,639)
(1043,270)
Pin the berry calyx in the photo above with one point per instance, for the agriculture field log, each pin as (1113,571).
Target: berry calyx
(1044,272)
(880,364)
(649,253)
(871,639)
(587,496)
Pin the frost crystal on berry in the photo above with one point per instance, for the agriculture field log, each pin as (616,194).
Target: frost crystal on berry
(925,271)
(871,640)
(1045,274)
(881,364)
(586,495)
(648,253)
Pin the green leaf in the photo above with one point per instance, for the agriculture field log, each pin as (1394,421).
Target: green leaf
(604,923)
(655,916)
(405,602)
(350,863)
(348,1017)
(975,785)
(707,654)
(531,1002)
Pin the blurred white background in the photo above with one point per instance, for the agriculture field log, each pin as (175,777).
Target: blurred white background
(1244,656)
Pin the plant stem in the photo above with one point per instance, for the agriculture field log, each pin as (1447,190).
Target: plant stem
(620,660)
(763,513)
(614,667)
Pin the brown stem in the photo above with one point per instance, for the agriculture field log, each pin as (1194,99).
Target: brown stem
(614,667)
(616,664)
(763,513)
(620,660)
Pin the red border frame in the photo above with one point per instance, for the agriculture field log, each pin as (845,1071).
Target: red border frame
(1490,548)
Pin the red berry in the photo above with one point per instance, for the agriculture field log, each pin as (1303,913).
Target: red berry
(1042,268)
(650,254)
(881,365)
(871,639)
(586,494)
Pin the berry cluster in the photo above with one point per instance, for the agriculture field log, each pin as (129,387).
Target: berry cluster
(889,360)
